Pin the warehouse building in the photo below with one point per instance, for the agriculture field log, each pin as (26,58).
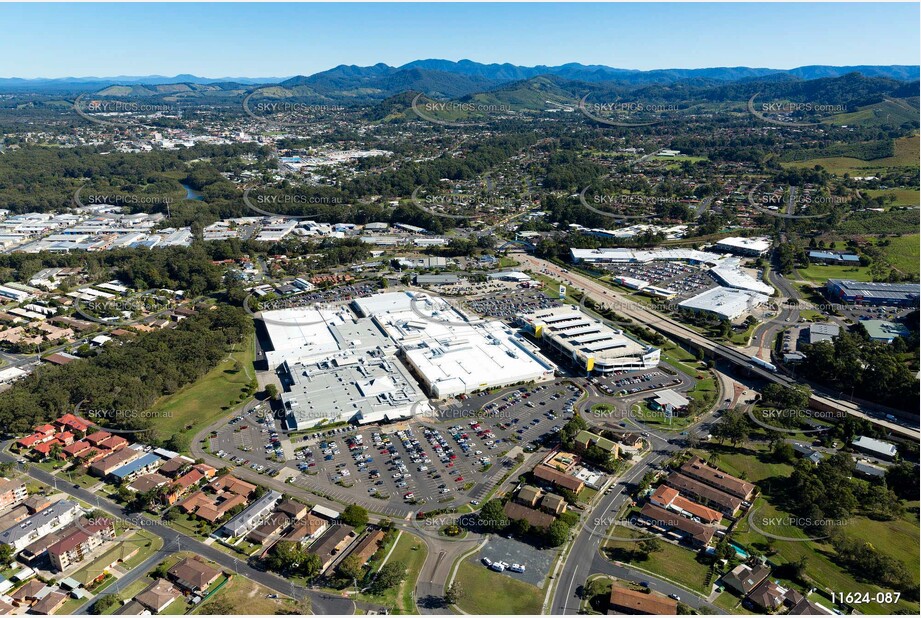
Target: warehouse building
(866,293)
(877,448)
(586,342)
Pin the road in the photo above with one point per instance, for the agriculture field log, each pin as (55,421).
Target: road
(578,567)
(644,315)
(321,603)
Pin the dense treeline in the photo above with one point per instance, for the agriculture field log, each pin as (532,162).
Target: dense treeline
(868,369)
(128,377)
(37,178)
(185,268)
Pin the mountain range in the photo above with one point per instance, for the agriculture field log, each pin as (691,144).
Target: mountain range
(450,78)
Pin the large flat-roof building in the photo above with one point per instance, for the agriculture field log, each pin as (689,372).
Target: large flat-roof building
(744,246)
(866,293)
(450,352)
(337,367)
(724,303)
(587,342)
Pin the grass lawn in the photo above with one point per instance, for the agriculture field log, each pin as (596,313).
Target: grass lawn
(821,568)
(130,592)
(906,155)
(678,564)
(903,197)
(820,273)
(730,603)
(507,262)
(245,597)
(904,252)
(897,538)
(754,465)
(189,524)
(200,404)
(411,551)
(488,592)
(680,359)
(147,542)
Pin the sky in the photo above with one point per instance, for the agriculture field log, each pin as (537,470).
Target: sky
(281,40)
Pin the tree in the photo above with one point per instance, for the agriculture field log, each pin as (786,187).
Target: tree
(351,568)
(557,534)
(650,546)
(271,391)
(355,516)
(391,575)
(6,554)
(492,517)
(105,602)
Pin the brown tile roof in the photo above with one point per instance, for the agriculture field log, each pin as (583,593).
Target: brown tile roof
(698,490)
(698,469)
(193,574)
(629,601)
(668,520)
(158,595)
(558,478)
(536,518)
(368,546)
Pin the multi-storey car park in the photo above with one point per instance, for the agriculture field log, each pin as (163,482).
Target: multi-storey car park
(586,342)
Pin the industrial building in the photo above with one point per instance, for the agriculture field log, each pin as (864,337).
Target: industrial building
(877,448)
(866,293)
(884,331)
(724,303)
(586,342)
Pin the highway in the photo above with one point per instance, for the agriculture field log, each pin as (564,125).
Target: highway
(674,329)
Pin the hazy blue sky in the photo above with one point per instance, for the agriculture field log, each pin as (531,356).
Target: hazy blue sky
(263,40)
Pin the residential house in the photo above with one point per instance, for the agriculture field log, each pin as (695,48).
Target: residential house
(557,478)
(744,578)
(674,525)
(79,544)
(553,504)
(333,541)
(537,519)
(368,546)
(529,496)
(158,596)
(12,492)
(708,496)
(193,574)
(629,601)
(585,439)
(671,499)
(697,469)
(38,525)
